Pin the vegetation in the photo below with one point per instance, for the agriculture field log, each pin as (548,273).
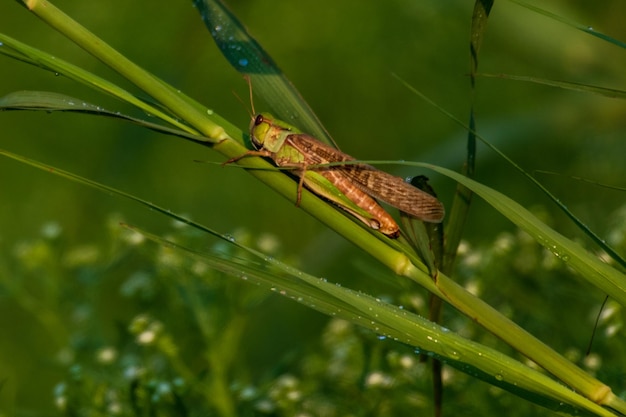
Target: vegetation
(141,324)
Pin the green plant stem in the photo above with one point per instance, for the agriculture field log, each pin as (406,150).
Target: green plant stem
(176,102)
(507,330)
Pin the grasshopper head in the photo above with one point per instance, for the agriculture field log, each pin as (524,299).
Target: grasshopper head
(267,132)
(259,128)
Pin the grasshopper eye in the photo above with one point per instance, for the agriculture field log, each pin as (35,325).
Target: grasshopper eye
(259,119)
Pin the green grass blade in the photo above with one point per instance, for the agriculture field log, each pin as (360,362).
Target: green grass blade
(587,29)
(25,53)
(598,273)
(566,85)
(245,54)
(49,102)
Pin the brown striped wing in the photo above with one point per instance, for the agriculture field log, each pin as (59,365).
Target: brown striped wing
(374,182)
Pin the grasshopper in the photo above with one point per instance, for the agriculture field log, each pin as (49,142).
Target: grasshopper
(353,187)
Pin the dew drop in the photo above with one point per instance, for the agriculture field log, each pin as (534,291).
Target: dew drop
(454,355)
(243,62)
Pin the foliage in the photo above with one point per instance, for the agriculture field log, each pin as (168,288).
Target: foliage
(186,339)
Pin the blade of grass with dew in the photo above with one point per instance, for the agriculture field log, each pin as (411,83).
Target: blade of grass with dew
(245,54)
(52,102)
(566,85)
(393,322)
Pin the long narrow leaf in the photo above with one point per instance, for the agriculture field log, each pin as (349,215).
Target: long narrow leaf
(245,54)
(50,102)
(587,29)
(566,85)
(18,50)
(598,273)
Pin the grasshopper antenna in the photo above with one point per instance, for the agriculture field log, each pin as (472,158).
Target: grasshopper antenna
(249,81)
(243,104)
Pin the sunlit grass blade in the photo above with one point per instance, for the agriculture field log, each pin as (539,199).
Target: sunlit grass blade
(566,85)
(245,54)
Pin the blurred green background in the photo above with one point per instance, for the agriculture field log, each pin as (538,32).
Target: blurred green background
(340,55)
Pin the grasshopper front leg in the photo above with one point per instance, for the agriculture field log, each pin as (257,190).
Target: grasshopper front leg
(264,154)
